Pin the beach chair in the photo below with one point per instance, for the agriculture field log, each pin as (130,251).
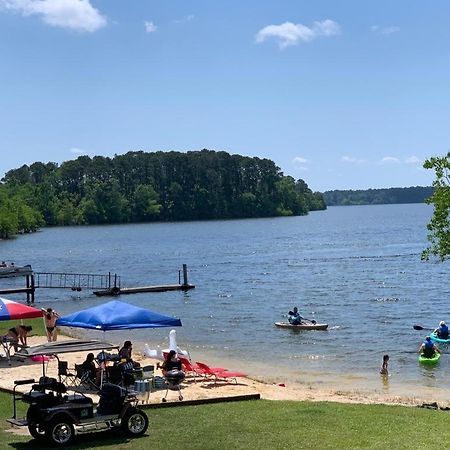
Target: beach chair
(191,370)
(83,378)
(220,374)
(115,375)
(64,374)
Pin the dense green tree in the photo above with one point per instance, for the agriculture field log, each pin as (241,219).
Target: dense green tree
(140,186)
(416,194)
(145,204)
(439,226)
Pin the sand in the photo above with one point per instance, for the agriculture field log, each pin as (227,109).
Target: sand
(204,389)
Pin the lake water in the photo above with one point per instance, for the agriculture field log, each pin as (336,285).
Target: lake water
(356,268)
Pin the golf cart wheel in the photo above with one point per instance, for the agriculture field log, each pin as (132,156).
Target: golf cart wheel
(135,422)
(35,431)
(60,431)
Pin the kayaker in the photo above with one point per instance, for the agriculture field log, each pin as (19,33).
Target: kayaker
(384,368)
(428,348)
(442,331)
(294,317)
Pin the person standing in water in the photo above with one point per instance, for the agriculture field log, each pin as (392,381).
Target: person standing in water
(50,317)
(384,368)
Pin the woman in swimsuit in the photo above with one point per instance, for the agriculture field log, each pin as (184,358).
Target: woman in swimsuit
(50,317)
(19,334)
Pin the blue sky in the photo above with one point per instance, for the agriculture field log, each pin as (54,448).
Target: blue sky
(343,94)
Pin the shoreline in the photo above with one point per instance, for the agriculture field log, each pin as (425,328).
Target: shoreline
(248,385)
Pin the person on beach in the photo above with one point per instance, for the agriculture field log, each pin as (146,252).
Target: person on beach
(91,369)
(19,334)
(171,362)
(442,331)
(428,348)
(125,356)
(384,367)
(50,317)
(294,317)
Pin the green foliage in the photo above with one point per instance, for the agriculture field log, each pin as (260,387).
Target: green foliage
(142,187)
(417,194)
(439,226)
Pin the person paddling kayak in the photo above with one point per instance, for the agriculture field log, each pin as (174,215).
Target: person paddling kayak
(442,331)
(428,348)
(294,317)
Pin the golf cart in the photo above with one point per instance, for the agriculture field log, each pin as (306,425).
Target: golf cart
(54,414)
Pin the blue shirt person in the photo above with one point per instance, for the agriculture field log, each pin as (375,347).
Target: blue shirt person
(442,331)
(294,317)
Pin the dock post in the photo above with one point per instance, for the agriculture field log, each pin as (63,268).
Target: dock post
(185,277)
(32,289)
(28,288)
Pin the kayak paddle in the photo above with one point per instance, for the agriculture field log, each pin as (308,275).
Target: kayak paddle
(420,328)
(310,320)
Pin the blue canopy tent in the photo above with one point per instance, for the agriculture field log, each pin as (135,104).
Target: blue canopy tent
(117,315)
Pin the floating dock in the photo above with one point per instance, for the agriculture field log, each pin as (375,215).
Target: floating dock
(136,290)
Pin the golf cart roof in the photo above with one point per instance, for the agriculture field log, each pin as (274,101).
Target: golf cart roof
(70,346)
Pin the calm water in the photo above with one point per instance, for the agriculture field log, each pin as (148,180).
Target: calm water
(356,268)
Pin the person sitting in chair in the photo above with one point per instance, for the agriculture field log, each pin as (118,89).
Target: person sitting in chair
(171,367)
(91,369)
(125,356)
(442,331)
(171,362)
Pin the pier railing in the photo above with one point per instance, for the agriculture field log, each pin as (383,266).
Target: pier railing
(75,281)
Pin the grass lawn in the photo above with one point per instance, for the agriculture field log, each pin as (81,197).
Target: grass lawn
(37,324)
(263,424)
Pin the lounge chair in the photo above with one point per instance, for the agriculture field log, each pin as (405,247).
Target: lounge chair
(219,374)
(191,370)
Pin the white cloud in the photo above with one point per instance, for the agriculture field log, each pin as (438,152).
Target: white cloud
(413,160)
(78,15)
(150,27)
(299,163)
(77,151)
(351,160)
(384,30)
(289,33)
(185,19)
(389,160)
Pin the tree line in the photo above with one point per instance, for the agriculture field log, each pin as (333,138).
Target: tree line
(416,194)
(143,187)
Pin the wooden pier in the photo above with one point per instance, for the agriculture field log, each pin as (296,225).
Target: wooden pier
(30,288)
(139,289)
(185,286)
(106,285)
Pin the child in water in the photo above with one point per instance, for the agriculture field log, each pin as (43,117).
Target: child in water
(384,367)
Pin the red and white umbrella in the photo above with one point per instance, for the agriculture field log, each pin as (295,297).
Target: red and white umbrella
(10,310)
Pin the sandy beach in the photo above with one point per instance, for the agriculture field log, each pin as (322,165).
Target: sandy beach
(200,389)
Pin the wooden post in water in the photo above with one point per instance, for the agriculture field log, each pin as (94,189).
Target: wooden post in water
(185,277)
(32,289)
(28,288)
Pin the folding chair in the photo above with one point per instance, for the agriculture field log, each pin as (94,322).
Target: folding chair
(115,375)
(191,370)
(83,377)
(220,374)
(65,375)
